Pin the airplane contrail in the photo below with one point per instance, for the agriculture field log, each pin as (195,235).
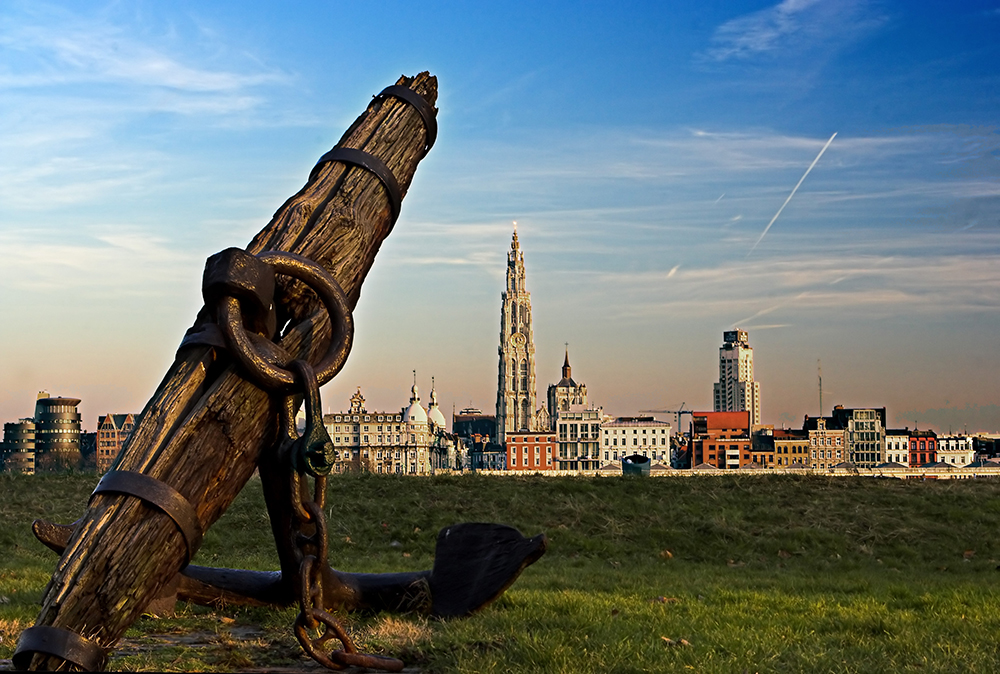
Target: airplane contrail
(794,189)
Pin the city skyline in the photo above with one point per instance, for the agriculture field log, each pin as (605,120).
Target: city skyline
(650,157)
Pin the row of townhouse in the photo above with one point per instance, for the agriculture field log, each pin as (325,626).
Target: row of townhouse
(855,437)
(848,437)
(584,439)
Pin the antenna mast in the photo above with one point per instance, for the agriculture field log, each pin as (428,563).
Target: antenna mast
(819,371)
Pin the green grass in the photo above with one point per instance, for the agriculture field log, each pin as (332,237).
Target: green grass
(763,574)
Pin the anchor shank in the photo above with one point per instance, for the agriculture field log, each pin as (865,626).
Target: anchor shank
(203,429)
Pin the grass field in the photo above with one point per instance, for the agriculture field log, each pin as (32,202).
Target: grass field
(707,574)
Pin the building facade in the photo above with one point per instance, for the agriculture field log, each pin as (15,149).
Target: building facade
(827,446)
(531,451)
(409,442)
(483,455)
(112,431)
(864,434)
(472,422)
(516,370)
(956,450)
(721,439)
(791,449)
(57,433)
(923,447)
(736,390)
(476,433)
(897,446)
(578,430)
(628,436)
(17,453)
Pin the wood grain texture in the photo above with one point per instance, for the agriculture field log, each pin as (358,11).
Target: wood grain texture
(205,426)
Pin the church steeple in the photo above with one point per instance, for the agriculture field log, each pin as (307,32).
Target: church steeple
(567,370)
(515,265)
(516,371)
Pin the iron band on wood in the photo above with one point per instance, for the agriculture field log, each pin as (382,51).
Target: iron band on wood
(61,643)
(348,155)
(424,108)
(161,495)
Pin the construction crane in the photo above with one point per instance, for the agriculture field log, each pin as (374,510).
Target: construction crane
(677,414)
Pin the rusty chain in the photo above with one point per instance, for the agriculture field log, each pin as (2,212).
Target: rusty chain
(310,456)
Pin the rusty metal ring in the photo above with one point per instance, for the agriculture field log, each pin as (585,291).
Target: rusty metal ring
(349,656)
(311,618)
(264,372)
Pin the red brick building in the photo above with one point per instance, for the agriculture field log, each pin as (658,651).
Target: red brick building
(112,430)
(923,447)
(720,439)
(531,451)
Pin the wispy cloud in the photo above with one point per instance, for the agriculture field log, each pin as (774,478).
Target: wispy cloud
(115,262)
(50,48)
(791,24)
(809,286)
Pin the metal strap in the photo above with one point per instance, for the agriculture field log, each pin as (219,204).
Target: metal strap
(161,495)
(427,113)
(206,334)
(349,155)
(61,643)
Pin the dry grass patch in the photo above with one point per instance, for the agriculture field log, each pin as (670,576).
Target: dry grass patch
(393,634)
(10,630)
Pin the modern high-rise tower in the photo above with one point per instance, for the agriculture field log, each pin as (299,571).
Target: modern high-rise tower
(516,380)
(736,390)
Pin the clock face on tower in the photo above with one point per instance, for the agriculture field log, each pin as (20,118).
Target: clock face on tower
(517,340)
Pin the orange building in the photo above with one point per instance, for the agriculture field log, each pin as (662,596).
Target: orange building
(923,447)
(720,439)
(531,451)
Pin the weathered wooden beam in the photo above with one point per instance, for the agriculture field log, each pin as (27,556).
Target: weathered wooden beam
(206,425)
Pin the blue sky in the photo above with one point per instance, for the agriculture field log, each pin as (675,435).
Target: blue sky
(642,147)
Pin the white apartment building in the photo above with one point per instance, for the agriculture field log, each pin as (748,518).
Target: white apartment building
(578,432)
(626,436)
(955,449)
(897,446)
(413,441)
(736,390)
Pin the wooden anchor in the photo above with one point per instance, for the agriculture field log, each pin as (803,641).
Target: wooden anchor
(209,425)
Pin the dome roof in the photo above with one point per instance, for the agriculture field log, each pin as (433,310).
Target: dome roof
(435,415)
(415,413)
(434,412)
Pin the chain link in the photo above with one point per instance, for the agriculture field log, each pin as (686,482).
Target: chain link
(310,456)
(312,544)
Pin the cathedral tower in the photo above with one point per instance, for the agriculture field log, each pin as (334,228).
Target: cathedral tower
(516,381)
